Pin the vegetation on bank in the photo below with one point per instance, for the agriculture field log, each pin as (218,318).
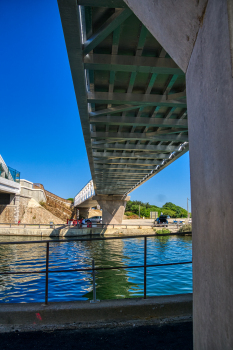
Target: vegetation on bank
(161,232)
(186,228)
(71,199)
(174,211)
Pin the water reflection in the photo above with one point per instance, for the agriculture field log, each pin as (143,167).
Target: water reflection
(111,284)
(120,283)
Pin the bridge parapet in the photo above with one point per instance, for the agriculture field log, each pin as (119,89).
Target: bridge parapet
(87,192)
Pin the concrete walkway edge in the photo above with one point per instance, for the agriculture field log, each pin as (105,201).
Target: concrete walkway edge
(35,314)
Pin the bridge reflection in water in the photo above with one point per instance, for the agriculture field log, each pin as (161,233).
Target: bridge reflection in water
(111,284)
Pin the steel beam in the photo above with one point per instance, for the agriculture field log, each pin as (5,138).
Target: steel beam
(131,147)
(112,110)
(124,167)
(107,28)
(141,155)
(138,136)
(70,18)
(128,162)
(115,178)
(103,3)
(156,171)
(136,64)
(114,185)
(172,100)
(140,121)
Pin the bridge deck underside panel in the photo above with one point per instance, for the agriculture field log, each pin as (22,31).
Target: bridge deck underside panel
(88,203)
(131,95)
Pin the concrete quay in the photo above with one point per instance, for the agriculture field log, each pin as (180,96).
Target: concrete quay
(35,316)
(75,232)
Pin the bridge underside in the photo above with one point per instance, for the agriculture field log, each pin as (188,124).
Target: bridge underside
(131,95)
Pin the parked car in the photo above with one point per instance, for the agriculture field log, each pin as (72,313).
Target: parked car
(162,220)
(94,220)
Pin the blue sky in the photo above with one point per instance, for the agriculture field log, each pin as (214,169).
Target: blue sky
(40,130)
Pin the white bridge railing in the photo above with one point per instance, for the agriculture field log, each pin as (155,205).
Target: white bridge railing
(87,192)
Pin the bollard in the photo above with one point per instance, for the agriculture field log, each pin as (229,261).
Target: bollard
(94,288)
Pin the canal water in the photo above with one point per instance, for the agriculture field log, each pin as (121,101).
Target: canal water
(110,284)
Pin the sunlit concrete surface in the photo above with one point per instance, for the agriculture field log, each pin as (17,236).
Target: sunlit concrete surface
(56,314)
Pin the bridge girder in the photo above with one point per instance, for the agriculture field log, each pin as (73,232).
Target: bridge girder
(131,95)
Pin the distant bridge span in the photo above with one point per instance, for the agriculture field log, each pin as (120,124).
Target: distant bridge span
(131,97)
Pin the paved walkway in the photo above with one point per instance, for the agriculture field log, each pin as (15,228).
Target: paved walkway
(175,336)
(138,222)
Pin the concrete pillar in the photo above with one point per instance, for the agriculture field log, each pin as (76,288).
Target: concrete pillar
(83,212)
(196,35)
(113,208)
(210,118)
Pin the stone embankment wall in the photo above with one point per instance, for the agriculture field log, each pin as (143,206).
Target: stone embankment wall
(59,207)
(36,214)
(13,212)
(55,209)
(7,213)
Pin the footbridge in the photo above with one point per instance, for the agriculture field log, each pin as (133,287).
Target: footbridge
(131,97)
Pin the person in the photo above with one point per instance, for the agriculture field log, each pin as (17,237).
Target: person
(83,221)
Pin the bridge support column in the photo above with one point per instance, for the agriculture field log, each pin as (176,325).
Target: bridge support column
(210,115)
(113,208)
(84,212)
(196,36)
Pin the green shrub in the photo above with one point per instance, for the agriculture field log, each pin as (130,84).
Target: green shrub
(42,203)
(128,213)
(186,228)
(161,232)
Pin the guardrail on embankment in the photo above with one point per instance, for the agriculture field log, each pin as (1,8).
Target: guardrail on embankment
(103,226)
(92,269)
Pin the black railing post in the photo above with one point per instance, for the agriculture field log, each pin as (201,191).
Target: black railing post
(94,286)
(145,267)
(47,274)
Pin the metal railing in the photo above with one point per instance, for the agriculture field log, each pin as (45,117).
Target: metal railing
(85,193)
(9,173)
(93,269)
(79,226)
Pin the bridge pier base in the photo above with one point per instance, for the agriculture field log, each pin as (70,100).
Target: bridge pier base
(113,208)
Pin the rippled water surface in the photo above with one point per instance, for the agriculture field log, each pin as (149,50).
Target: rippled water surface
(111,284)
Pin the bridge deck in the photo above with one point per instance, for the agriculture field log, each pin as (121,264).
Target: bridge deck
(130,93)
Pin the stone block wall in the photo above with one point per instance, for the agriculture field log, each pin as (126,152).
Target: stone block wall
(8,213)
(22,206)
(14,211)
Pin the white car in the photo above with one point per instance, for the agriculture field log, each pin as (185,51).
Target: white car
(95,220)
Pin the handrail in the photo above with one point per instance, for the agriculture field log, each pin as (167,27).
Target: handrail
(9,173)
(93,226)
(93,268)
(50,194)
(86,192)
